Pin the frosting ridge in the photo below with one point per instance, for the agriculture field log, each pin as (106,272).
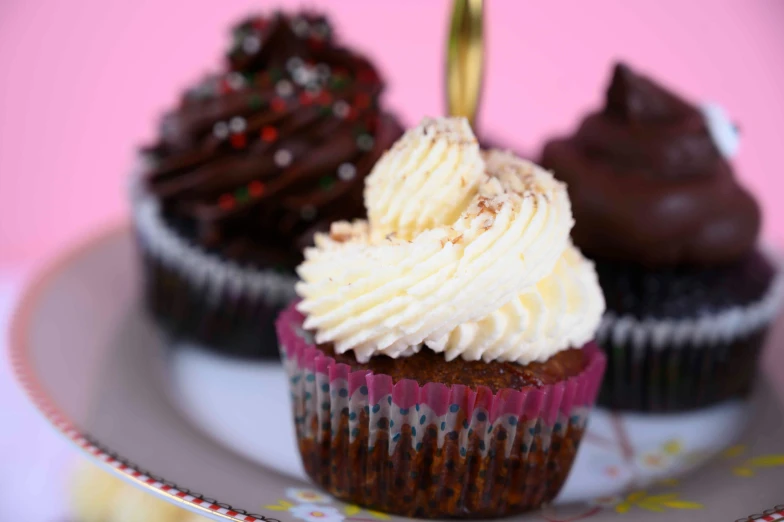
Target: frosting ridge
(276,145)
(500,281)
(427,179)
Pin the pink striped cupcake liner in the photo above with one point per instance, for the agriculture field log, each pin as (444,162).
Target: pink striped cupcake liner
(432,450)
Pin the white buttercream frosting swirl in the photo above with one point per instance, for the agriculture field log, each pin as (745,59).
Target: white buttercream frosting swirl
(426,180)
(465,252)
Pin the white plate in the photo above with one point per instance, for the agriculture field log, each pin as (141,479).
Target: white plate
(97,369)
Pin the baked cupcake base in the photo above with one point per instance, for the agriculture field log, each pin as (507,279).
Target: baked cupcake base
(429,450)
(197,296)
(682,339)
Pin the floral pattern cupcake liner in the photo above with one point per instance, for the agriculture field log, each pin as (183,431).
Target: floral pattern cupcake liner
(432,450)
(196,296)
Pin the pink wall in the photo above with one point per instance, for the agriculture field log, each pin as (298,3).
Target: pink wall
(81,83)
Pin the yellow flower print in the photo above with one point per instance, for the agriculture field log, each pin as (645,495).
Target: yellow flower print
(672,447)
(352,510)
(748,467)
(307,496)
(282,505)
(734,451)
(310,506)
(658,503)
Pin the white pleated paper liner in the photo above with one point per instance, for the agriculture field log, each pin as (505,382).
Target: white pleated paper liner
(198,296)
(669,365)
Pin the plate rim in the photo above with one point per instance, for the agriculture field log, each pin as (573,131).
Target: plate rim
(26,378)
(28,381)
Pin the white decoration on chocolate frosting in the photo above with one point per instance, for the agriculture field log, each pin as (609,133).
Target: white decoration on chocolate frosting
(251,44)
(723,132)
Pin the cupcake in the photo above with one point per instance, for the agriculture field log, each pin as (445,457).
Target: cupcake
(440,360)
(690,295)
(252,162)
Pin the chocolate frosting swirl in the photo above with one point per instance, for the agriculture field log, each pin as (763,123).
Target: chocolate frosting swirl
(257,158)
(648,184)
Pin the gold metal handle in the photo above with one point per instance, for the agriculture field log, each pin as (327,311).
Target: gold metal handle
(465,57)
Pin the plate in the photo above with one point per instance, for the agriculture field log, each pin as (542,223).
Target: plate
(215,435)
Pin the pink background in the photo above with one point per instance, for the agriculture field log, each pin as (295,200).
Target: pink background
(82,83)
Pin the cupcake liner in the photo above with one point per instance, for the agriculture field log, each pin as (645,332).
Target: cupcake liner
(643,377)
(664,365)
(432,450)
(197,296)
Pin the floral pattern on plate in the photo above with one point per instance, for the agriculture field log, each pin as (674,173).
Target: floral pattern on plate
(313,506)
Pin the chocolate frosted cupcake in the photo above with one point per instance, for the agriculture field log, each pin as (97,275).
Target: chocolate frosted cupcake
(248,167)
(674,237)
(438,360)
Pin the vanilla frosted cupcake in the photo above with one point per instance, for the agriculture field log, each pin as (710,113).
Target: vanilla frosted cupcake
(438,357)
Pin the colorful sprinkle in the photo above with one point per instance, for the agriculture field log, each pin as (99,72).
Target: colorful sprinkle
(341,109)
(305,75)
(294,63)
(226,202)
(300,27)
(275,74)
(251,44)
(238,141)
(284,88)
(347,171)
(305,98)
(338,81)
(313,89)
(365,142)
(242,195)
(269,134)
(220,130)
(235,80)
(256,188)
(260,24)
(283,158)
(326,182)
(201,91)
(255,102)
(237,124)
(278,104)
(320,30)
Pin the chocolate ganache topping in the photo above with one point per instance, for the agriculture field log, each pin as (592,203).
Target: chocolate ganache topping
(649,185)
(257,158)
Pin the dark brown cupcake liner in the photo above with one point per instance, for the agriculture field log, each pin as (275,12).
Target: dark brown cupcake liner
(432,450)
(664,365)
(195,296)
(646,378)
